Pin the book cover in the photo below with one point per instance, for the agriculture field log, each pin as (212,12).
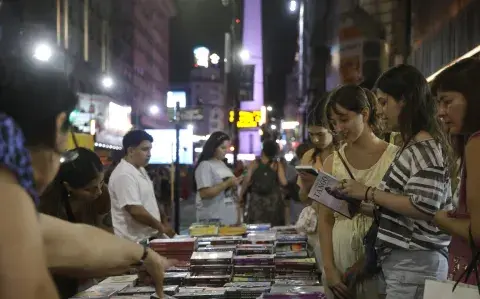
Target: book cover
(320,194)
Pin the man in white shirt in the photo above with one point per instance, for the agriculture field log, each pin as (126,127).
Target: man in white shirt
(135,213)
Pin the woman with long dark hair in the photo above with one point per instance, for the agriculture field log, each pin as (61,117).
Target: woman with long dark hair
(215,183)
(458,96)
(410,247)
(77,195)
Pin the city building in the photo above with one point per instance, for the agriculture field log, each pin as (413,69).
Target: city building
(207,92)
(446,32)
(249,139)
(150,44)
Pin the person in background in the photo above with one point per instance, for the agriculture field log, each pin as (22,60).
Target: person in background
(77,195)
(411,248)
(458,96)
(300,152)
(265,178)
(215,183)
(135,212)
(35,101)
(364,156)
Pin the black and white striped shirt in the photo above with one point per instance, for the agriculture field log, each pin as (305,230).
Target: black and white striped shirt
(420,172)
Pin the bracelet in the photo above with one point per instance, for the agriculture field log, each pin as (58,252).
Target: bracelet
(365,199)
(143,258)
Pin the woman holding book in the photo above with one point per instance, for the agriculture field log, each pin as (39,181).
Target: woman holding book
(322,140)
(410,247)
(351,111)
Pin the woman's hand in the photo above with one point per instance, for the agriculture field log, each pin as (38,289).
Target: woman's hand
(352,189)
(156,265)
(235,181)
(307,180)
(336,285)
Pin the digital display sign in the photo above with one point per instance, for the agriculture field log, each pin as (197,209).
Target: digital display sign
(247,119)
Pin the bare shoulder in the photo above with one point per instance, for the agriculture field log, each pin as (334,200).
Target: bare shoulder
(328,164)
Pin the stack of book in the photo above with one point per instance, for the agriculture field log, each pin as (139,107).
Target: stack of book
(291,246)
(201,293)
(296,269)
(232,230)
(210,269)
(264,227)
(246,290)
(175,278)
(99,291)
(201,230)
(177,249)
(294,292)
(219,241)
(254,268)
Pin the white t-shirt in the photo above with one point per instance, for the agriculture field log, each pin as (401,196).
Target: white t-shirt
(222,207)
(131,186)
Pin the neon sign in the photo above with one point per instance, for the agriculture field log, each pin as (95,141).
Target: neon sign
(247,119)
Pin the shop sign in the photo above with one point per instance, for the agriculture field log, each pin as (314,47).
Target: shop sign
(247,119)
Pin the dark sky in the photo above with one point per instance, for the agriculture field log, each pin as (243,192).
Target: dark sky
(204,22)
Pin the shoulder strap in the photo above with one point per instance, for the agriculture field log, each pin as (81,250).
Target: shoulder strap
(345,165)
(68,210)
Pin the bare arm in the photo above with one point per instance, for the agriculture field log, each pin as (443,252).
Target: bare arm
(81,250)
(325,221)
(247,180)
(141,215)
(22,255)
(282,178)
(473,177)
(212,192)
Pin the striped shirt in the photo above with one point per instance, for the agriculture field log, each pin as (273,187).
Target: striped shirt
(420,171)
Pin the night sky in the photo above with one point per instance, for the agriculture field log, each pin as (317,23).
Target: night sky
(204,22)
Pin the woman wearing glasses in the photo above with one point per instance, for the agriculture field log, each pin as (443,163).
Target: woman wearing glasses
(35,102)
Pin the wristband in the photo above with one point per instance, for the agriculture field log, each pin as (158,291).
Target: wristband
(143,258)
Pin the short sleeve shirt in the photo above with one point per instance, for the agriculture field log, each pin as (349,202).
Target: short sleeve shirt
(131,186)
(222,207)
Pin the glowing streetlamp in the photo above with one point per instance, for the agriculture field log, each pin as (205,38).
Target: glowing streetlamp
(292,6)
(269,108)
(214,58)
(107,82)
(244,55)
(154,110)
(42,52)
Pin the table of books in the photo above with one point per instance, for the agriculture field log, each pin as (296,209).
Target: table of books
(242,262)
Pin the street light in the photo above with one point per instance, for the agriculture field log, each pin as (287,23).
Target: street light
(107,82)
(42,52)
(269,108)
(154,110)
(244,55)
(273,127)
(293,6)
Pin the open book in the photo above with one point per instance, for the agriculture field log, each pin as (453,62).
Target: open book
(320,194)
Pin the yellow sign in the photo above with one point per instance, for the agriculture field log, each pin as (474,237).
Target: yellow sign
(247,119)
(83,140)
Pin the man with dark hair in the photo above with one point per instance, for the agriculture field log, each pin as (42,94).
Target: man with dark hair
(135,213)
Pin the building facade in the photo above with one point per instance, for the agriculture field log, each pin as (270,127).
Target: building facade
(150,60)
(207,91)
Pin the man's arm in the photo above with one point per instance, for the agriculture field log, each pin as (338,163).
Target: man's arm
(80,250)
(128,198)
(22,256)
(141,215)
